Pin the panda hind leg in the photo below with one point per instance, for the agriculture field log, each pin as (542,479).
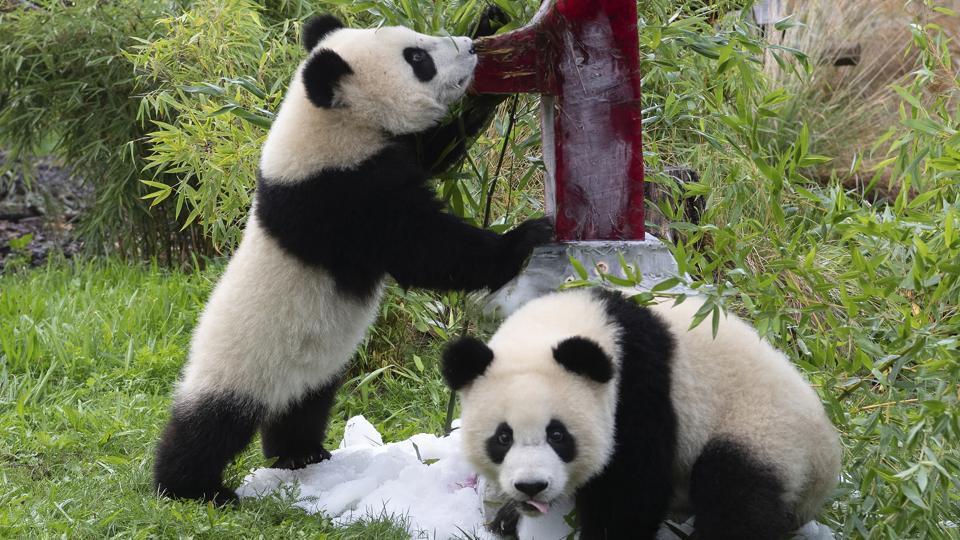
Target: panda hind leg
(734,496)
(203,435)
(295,437)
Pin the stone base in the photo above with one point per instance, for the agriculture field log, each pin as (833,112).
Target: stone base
(550,267)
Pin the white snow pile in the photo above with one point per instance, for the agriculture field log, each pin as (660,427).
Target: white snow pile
(425,479)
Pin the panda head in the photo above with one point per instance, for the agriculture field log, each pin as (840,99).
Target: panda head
(538,412)
(391,78)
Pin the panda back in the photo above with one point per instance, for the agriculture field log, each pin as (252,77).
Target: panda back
(738,387)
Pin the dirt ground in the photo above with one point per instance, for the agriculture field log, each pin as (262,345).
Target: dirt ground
(39,206)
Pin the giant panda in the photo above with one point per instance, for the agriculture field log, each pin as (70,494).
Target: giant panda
(586,395)
(341,203)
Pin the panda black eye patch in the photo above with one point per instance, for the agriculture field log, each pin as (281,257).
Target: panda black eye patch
(421,62)
(499,443)
(561,441)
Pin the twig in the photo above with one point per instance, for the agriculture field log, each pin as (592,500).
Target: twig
(887,404)
(503,153)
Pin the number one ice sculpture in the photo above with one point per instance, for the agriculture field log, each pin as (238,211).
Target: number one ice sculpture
(582,56)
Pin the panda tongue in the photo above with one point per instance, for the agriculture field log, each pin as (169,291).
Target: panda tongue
(539,505)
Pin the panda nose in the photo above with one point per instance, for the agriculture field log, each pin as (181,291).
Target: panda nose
(472,50)
(530,488)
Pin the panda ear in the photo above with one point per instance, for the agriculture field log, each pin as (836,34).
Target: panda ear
(464,360)
(584,357)
(316,28)
(322,75)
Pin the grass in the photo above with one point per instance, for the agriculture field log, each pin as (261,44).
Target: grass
(90,351)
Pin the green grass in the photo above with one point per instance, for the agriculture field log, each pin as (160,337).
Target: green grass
(90,351)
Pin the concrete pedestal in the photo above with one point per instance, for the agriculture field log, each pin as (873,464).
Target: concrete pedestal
(550,267)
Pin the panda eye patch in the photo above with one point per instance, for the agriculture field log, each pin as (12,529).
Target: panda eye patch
(499,443)
(561,440)
(421,62)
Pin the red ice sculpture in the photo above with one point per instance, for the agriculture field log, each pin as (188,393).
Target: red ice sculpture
(583,56)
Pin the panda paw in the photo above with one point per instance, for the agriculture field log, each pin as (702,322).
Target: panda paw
(222,496)
(491,19)
(505,523)
(301,460)
(218,494)
(518,244)
(528,235)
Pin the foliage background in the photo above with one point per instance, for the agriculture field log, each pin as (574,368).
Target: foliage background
(831,222)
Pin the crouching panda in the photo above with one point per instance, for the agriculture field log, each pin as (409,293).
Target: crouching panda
(586,394)
(341,203)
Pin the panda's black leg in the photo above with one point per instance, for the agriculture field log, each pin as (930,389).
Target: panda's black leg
(296,436)
(204,434)
(622,504)
(736,497)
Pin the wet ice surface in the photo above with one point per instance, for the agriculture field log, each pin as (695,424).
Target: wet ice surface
(424,478)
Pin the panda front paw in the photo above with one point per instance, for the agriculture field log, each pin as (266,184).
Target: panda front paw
(528,235)
(490,21)
(223,496)
(218,494)
(301,460)
(518,245)
(506,522)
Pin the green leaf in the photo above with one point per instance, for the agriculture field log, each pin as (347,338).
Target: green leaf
(666,284)
(906,95)
(204,88)
(811,160)
(418,363)
(924,125)
(786,23)
(578,268)
(911,493)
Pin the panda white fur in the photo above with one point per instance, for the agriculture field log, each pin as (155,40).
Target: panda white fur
(341,203)
(586,394)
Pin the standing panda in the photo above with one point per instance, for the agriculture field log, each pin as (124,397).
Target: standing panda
(585,394)
(341,203)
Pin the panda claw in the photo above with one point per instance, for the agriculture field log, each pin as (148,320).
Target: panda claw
(530,234)
(300,461)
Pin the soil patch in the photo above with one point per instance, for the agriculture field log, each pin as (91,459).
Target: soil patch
(40,202)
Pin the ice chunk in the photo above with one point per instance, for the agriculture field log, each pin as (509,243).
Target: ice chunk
(424,478)
(360,432)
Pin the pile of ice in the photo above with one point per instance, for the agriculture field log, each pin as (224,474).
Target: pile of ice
(424,479)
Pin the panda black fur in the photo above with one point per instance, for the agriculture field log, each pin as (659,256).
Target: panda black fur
(341,203)
(585,394)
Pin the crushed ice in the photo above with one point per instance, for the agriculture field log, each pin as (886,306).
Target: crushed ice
(425,479)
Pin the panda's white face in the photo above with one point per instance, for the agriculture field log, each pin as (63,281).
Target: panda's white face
(539,400)
(399,80)
(356,89)
(540,435)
